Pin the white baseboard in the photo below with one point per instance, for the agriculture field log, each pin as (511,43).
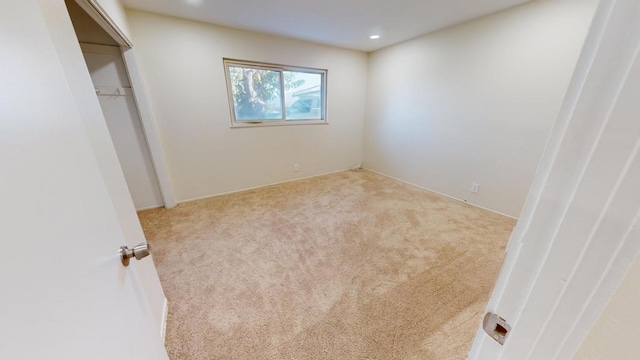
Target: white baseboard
(149,207)
(260,186)
(439,193)
(163,325)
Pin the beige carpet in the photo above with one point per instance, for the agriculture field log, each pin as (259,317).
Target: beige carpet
(351,265)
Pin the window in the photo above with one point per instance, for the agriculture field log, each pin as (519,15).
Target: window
(266,94)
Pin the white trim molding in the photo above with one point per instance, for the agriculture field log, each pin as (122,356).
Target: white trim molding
(149,128)
(146,119)
(100,49)
(163,324)
(440,193)
(100,16)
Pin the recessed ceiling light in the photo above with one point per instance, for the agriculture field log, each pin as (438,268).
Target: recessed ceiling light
(374,37)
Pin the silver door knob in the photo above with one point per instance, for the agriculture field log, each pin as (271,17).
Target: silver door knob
(139,251)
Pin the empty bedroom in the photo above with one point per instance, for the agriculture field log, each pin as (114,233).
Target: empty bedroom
(370,224)
(382,262)
(327,180)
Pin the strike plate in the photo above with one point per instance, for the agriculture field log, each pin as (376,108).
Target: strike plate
(496,327)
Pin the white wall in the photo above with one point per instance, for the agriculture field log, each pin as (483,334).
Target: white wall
(181,63)
(64,39)
(615,334)
(474,102)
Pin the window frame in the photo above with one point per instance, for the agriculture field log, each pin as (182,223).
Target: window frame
(280,68)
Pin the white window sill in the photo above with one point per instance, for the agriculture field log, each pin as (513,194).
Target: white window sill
(267,123)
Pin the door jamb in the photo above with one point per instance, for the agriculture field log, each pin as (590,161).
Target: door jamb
(149,128)
(100,16)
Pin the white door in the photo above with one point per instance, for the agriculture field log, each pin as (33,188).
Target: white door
(111,81)
(63,292)
(578,233)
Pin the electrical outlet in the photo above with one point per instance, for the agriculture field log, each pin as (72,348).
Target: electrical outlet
(475,187)
(296,167)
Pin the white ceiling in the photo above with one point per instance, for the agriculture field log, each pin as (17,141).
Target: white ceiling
(344,23)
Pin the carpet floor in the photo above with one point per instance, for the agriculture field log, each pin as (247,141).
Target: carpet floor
(351,265)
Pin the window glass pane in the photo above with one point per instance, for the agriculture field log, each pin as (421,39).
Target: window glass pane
(303,95)
(256,93)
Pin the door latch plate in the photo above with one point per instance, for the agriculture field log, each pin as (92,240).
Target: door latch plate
(496,327)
